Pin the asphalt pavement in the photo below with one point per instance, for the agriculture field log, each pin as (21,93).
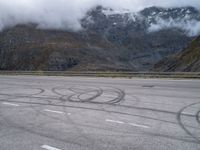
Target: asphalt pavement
(81,113)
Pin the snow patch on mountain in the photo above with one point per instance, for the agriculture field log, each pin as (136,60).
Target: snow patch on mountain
(109,11)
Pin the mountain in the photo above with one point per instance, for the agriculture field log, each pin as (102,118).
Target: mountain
(109,40)
(130,32)
(28,48)
(185,61)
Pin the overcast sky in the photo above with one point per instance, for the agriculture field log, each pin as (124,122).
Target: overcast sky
(65,14)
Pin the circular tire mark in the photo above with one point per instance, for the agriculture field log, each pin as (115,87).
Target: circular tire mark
(92,94)
(19,94)
(184,126)
(198,116)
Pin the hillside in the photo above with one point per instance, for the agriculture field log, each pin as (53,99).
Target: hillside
(27,48)
(185,61)
(109,40)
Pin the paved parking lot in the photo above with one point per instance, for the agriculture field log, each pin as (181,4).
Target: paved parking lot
(79,113)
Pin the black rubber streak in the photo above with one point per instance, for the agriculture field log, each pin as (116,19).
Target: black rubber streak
(184,127)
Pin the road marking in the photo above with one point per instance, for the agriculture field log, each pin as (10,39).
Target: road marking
(53,111)
(187,114)
(114,121)
(11,104)
(68,113)
(49,147)
(132,124)
(138,125)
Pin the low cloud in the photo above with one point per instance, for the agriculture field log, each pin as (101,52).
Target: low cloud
(191,27)
(66,14)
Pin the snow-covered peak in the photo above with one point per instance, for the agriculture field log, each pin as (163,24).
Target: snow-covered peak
(148,20)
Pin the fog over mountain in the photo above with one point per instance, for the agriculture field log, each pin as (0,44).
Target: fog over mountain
(66,14)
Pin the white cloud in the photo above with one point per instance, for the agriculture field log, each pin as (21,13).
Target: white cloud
(191,27)
(66,14)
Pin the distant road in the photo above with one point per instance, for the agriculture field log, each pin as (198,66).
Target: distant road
(179,75)
(82,113)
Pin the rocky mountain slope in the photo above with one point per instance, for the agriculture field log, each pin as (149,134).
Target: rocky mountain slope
(185,61)
(110,40)
(27,48)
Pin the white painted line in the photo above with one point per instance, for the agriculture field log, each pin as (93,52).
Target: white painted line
(114,121)
(138,125)
(53,111)
(11,104)
(187,114)
(49,147)
(68,113)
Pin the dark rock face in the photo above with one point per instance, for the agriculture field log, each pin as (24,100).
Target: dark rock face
(109,41)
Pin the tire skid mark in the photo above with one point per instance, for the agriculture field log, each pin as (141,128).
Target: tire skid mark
(78,92)
(30,130)
(79,130)
(40,91)
(184,127)
(96,109)
(120,97)
(118,105)
(198,116)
